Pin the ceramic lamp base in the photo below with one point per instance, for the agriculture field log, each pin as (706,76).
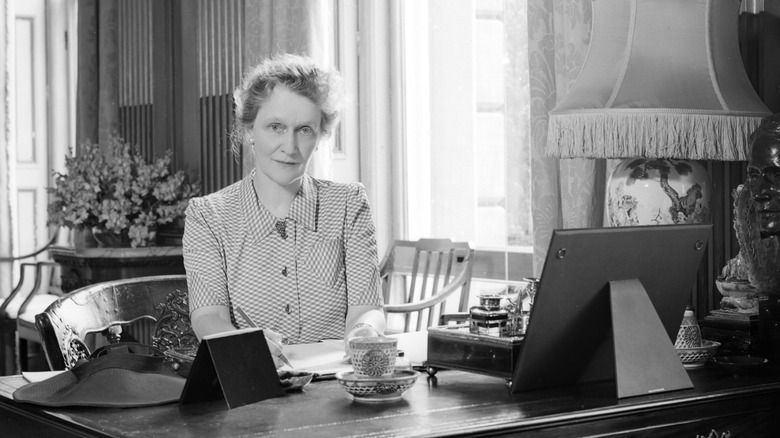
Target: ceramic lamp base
(648,191)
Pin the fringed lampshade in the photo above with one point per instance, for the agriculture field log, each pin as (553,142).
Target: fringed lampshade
(663,82)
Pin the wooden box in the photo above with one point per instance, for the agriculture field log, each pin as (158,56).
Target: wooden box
(737,333)
(455,347)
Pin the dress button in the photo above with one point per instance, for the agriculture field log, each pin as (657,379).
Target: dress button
(284,271)
(287,309)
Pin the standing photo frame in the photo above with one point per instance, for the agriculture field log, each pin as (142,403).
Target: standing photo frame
(608,308)
(234,366)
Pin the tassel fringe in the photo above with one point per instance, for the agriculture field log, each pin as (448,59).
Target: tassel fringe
(628,134)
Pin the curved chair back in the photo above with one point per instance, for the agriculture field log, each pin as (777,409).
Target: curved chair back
(44,291)
(420,277)
(106,307)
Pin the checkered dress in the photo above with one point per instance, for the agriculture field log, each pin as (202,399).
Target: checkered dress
(299,280)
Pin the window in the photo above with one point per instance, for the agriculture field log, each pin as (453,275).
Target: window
(442,111)
(465,121)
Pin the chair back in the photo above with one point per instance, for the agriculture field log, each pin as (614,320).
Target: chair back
(420,278)
(107,307)
(35,278)
(9,309)
(33,293)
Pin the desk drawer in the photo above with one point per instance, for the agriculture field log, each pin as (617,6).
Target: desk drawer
(728,417)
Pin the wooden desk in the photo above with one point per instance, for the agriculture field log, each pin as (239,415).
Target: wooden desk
(454,402)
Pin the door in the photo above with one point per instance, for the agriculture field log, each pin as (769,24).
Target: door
(30,122)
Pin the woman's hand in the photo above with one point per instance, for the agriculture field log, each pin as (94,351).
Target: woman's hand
(363,330)
(364,321)
(359,331)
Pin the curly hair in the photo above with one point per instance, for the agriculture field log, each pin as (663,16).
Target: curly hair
(298,73)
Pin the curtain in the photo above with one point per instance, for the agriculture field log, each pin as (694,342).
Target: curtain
(6,159)
(303,27)
(97,108)
(565,193)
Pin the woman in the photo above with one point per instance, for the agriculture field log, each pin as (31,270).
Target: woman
(297,254)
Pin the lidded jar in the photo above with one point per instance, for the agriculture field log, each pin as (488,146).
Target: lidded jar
(488,318)
(689,334)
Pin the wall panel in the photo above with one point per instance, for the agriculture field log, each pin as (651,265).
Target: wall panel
(136,106)
(178,64)
(220,46)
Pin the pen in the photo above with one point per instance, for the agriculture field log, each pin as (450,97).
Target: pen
(251,323)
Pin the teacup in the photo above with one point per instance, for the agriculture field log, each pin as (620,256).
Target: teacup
(373,357)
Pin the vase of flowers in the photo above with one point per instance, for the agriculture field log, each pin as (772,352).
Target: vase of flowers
(118,195)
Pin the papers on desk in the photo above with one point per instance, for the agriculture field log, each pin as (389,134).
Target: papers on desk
(38,376)
(324,358)
(328,357)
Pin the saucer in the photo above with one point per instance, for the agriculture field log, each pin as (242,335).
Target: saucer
(697,357)
(740,365)
(377,389)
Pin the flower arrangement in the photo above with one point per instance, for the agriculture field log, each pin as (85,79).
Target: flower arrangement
(118,192)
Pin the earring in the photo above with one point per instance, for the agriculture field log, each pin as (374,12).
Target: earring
(252,140)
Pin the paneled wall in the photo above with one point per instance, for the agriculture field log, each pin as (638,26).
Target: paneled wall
(179,61)
(135,73)
(220,49)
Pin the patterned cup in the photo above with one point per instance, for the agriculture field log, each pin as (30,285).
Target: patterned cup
(373,357)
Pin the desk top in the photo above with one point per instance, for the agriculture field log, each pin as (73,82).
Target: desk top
(452,402)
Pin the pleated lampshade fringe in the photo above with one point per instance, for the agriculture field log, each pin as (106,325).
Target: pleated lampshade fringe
(627,133)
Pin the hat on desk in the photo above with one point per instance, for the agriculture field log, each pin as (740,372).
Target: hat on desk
(117,375)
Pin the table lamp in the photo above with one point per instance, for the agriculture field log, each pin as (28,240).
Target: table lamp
(663,85)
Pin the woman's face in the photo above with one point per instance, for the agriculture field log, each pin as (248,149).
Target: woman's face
(285,133)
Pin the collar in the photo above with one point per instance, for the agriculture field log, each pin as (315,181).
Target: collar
(304,207)
(260,222)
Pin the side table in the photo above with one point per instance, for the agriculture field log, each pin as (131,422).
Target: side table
(84,266)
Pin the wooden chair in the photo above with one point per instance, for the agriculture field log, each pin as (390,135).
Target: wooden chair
(420,278)
(32,294)
(9,310)
(109,307)
(45,292)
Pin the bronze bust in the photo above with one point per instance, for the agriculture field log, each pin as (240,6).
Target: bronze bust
(757,208)
(764,175)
